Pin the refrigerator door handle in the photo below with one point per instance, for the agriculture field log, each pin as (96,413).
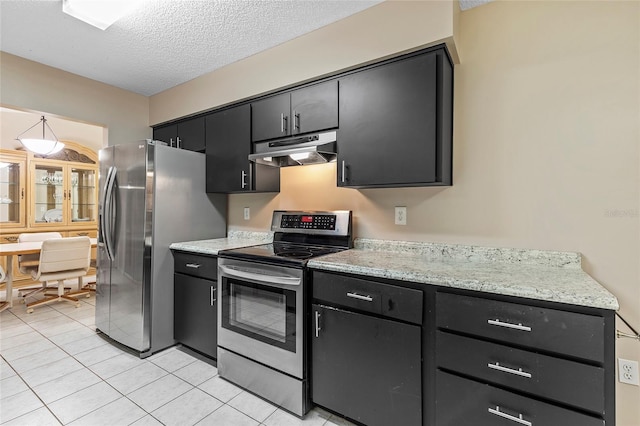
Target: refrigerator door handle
(108,212)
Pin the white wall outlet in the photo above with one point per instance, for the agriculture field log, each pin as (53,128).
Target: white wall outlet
(401,216)
(247,213)
(628,371)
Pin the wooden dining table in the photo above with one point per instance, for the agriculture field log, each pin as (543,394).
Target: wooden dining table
(16,249)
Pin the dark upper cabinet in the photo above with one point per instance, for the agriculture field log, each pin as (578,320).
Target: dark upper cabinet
(395,124)
(314,108)
(310,109)
(188,134)
(228,144)
(167,134)
(270,117)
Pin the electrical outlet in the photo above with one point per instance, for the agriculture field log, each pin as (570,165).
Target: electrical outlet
(247,213)
(628,371)
(401,216)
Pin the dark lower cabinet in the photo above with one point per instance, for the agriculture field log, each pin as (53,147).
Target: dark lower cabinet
(366,368)
(228,146)
(512,361)
(464,402)
(195,322)
(195,310)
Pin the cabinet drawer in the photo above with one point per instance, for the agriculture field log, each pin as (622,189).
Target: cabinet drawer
(568,333)
(569,382)
(196,265)
(369,296)
(463,402)
(9,238)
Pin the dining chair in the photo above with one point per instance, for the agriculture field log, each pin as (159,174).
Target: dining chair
(62,259)
(28,263)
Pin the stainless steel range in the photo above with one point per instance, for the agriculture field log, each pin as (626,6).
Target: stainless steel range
(263,314)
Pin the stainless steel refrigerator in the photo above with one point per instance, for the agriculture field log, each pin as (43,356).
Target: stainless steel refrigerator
(150,196)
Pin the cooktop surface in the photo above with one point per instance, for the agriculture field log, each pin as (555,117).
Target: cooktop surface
(281,252)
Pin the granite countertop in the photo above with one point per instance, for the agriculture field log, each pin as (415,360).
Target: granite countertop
(533,274)
(235,239)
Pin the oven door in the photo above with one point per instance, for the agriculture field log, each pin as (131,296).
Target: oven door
(261,313)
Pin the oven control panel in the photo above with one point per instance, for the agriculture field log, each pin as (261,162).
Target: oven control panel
(310,221)
(329,223)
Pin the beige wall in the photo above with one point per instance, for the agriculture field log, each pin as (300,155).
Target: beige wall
(546,145)
(32,86)
(397,26)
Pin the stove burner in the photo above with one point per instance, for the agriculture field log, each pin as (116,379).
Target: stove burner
(295,254)
(299,251)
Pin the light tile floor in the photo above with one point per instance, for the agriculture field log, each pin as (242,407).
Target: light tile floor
(55,369)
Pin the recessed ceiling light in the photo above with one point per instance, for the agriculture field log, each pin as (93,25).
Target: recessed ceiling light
(99,13)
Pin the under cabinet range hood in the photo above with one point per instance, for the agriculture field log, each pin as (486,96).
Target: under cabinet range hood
(317,148)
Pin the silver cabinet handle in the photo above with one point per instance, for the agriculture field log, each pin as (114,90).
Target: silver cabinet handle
(282,123)
(517,372)
(193,265)
(171,142)
(213,298)
(499,323)
(244,175)
(178,142)
(317,316)
(518,419)
(360,297)
(343,170)
(296,121)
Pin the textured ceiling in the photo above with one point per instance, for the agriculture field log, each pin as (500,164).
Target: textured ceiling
(162,43)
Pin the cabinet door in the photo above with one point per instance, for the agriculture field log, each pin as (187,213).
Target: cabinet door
(191,134)
(49,195)
(83,196)
(228,147)
(314,108)
(388,125)
(13,180)
(270,117)
(366,368)
(166,134)
(195,317)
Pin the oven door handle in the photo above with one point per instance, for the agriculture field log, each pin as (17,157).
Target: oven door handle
(259,276)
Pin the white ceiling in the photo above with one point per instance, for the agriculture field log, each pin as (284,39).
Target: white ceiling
(162,43)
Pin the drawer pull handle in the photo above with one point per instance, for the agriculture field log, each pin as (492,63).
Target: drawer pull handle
(213,298)
(192,265)
(518,419)
(509,325)
(517,372)
(360,297)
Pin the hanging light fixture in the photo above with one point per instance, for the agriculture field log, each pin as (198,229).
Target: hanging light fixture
(41,146)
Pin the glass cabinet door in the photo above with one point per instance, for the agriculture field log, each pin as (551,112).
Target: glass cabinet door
(12,192)
(83,195)
(49,195)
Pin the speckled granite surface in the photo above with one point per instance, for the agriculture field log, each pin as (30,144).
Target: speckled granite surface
(234,239)
(533,274)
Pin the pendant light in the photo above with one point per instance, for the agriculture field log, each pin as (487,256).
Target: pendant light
(41,146)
